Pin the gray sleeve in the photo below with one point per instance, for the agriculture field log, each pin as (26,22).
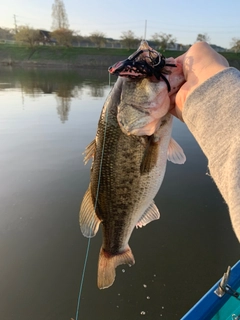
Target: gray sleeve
(212,114)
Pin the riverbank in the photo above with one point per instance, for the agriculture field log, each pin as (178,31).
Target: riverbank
(77,57)
(60,56)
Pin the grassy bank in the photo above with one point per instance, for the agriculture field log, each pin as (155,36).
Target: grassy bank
(77,56)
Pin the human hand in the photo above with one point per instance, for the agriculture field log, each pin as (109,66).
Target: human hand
(199,63)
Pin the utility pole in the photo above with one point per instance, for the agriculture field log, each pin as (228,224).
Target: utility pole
(145,30)
(15,23)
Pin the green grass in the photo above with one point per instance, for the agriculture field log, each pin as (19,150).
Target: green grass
(231,55)
(17,52)
(73,54)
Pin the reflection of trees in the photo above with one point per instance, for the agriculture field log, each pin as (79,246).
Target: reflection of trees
(97,90)
(47,87)
(65,84)
(64,93)
(30,87)
(63,107)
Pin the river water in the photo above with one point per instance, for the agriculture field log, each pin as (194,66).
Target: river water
(47,117)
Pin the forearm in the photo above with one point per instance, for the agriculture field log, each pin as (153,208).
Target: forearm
(212,114)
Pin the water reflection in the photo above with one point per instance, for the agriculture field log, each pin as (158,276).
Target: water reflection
(63,107)
(43,180)
(63,84)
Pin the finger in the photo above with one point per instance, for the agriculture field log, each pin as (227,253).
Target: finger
(181,58)
(174,110)
(176,113)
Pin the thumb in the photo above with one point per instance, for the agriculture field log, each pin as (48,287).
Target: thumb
(174,110)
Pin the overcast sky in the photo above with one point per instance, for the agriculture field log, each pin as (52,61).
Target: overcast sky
(184,19)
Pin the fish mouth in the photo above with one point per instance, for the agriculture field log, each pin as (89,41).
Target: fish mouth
(125,68)
(145,62)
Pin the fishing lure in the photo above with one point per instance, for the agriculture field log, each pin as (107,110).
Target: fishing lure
(143,63)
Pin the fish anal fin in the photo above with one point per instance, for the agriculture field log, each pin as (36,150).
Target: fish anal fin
(107,264)
(88,220)
(175,153)
(89,151)
(152,213)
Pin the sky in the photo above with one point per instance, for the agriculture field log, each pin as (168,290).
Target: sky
(184,19)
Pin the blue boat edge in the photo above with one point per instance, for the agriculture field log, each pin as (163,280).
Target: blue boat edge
(210,303)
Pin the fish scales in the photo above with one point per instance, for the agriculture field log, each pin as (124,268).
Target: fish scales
(120,180)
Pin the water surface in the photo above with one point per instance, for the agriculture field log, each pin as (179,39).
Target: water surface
(47,117)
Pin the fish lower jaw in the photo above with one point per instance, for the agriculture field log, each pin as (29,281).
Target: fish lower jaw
(138,131)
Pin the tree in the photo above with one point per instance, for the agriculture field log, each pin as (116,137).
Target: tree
(59,16)
(203,37)
(63,36)
(129,39)
(6,34)
(163,40)
(77,37)
(235,44)
(27,35)
(98,38)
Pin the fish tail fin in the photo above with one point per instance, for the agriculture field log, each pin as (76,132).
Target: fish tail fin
(107,264)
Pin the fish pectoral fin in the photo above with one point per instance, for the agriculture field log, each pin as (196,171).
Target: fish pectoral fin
(175,153)
(88,220)
(107,264)
(89,151)
(152,213)
(150,155)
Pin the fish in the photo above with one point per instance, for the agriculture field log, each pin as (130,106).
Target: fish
(127,170)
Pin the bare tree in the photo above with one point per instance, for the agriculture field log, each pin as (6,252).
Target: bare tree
(235,44)
(59,15)
(203,37)
(98,38)
(129,39)
(63,36)
(163,40)
(27,35)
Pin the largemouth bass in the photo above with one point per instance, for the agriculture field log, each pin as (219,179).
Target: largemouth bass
(126,173)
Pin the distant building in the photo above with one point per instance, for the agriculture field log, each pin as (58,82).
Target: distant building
(218,48)
(177,47)
(45,37)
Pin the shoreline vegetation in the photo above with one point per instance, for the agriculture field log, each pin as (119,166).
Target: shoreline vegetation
(77,57)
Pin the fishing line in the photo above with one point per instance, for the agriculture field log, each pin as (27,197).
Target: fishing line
(95,206)
(83,274)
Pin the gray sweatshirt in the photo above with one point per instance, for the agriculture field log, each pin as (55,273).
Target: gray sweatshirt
(212,114)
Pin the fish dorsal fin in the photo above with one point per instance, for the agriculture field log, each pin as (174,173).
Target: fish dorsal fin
(149,215)
(88,220)
(175,153)
(89,151)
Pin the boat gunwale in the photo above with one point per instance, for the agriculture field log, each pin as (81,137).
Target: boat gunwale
(210,303)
